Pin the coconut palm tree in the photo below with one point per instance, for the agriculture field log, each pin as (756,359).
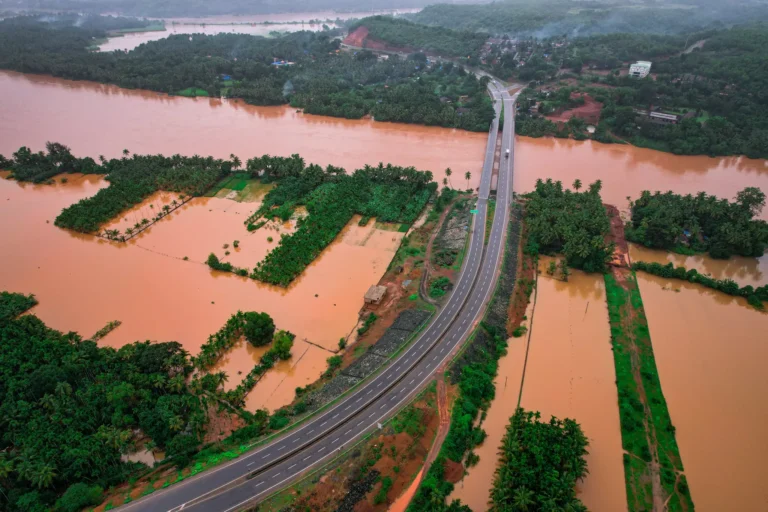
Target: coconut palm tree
(445,182)
(126,152)
(448,173)
(467,176)
(42,476)
(576,184)
(129,231)
(236,163)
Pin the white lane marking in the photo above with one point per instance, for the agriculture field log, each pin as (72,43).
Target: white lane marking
(291,467)
(310,431)
(323,423)
(265,456)
(335,416)
(250,464)
(255,485)
(276,475)
(419,375)
(305,458)
(411,382)
(348,431)
(321,448)
(369,392)
(281,448)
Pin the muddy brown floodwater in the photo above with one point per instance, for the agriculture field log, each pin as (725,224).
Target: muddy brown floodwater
(628,170)
(83,282)
(711,351)
(569,373)
(744,271)
(131,40)
(96,119)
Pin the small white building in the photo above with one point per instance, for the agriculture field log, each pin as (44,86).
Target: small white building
(640,69)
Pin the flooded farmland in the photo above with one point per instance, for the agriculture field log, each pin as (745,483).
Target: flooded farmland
(83,282)
(569,373)
(710,351)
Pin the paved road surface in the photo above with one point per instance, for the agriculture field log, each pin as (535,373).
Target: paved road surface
(259,473)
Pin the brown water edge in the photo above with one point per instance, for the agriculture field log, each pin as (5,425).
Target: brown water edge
(287,17)
(95,119)
(570,373)
(128,42)
(744,271)
(147,209)
(710,355)
(82,282)
(627,170)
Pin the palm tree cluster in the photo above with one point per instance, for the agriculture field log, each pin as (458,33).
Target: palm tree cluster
(42,166)
(134,179)
(572,223)
(702,222)
(539,465)
(389,193)
(250,324)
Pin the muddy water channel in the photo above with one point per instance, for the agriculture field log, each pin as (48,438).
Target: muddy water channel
(569,373)
(710,351)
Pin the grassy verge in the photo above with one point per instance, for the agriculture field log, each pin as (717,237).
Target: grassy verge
(653,468)
(474,370)
(489,218)
(192,92)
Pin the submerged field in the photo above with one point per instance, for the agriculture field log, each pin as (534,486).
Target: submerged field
(83,282)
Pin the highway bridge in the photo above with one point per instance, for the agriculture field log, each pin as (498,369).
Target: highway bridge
(266,469)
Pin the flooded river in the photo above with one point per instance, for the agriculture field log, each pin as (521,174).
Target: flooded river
(710,351)
(569,373)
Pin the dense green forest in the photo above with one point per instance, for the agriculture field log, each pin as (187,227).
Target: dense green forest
(714,89)
(572,223)
(541,19)
(404,34)
(539,465)
(700,223)
(321,79)
(332,197)
(14,304)
(196,8)
(69,408)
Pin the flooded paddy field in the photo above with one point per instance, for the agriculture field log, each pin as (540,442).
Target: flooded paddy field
(82,282)
(569,373)
(710,351)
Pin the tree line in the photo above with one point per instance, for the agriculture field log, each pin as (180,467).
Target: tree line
(755,296)
(572,223)
(321,79)
(701,223)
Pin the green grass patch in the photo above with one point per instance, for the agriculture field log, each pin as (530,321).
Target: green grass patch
(489,219)
(627,336)
(192,92)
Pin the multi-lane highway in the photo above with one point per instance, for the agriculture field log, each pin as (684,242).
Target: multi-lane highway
(259,473)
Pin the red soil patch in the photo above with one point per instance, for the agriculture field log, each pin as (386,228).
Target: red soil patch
(620,257)
(359,38)
(590,111)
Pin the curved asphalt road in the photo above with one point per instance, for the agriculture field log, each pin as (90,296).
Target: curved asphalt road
(259,473)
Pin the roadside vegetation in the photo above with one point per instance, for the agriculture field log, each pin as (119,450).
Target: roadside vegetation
(653,468)
(539,465)
(700,223)
(572,223)
(755,296)
(473,371)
